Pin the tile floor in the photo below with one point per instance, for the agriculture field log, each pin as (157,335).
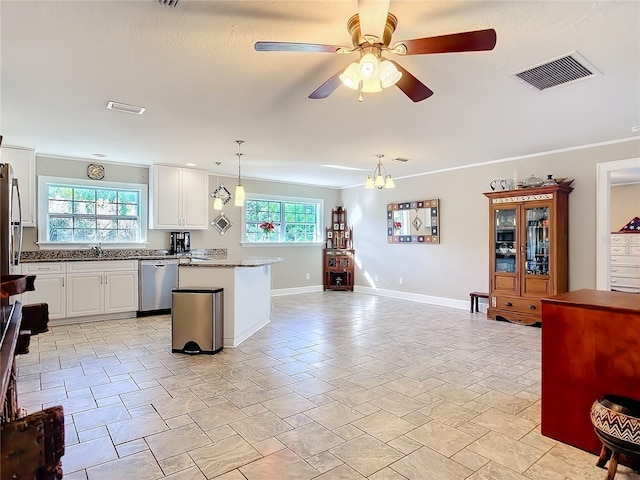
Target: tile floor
(338,386)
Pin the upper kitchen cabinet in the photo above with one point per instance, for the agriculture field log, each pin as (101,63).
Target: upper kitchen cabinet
(179,198)
(23,163)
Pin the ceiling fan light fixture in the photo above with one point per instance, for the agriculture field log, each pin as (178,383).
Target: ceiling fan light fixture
(369,182)
(368,66)
(371,86)
(351,76)
(389,74)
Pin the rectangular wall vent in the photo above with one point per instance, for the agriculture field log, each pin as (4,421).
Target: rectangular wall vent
(559,71)
(123,107)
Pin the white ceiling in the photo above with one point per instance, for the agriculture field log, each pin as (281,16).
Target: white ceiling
(195,70)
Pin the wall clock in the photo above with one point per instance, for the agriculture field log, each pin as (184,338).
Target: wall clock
(95,171)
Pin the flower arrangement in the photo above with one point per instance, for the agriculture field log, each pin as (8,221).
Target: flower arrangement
(266,227)
(397,225)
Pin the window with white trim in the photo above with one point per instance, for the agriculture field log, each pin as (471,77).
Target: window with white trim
(76,211)
(293,220)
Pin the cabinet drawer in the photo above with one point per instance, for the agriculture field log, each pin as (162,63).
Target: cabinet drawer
(625,281)
(514,317)
(634,250)
(618,240)
(625,270)
(530,306)
(102,266)
(618,249)
(625,260)
(43,267)
(634,240)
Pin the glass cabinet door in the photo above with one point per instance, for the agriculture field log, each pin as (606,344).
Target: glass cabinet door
(505,241)
(537,241)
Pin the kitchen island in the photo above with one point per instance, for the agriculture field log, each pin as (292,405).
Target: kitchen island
(247,291)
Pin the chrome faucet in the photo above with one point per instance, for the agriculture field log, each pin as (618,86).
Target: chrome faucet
(97,250)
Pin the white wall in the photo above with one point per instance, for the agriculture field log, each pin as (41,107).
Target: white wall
(459,264)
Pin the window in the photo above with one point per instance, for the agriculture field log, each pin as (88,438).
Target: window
(294,220)
(74,211)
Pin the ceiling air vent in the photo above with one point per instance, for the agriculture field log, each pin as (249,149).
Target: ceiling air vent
(124,107)
(170,3)
(559,71)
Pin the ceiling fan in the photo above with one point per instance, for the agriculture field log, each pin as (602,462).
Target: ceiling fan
(371,30)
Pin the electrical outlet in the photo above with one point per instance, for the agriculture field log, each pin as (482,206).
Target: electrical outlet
(400,280)
(376,278)
(308,276)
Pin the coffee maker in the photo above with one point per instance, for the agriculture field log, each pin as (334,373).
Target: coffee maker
(180,242)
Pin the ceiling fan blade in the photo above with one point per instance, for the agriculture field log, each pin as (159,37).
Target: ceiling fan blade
(457,42)
(297,47)
(328,87)
(411,86)
(373,17)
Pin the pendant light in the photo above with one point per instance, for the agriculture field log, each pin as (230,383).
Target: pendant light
(239,194)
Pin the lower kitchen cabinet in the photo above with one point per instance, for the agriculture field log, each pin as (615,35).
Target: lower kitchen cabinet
(50,287)
(102,287)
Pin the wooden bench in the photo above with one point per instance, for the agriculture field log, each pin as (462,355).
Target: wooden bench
(474,300)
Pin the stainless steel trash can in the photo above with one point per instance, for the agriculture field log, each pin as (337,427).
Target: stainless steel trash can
(196,320)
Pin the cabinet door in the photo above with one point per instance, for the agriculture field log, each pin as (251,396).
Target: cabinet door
(538,256)
(85,294)
(195,197)
(120,291)
(505,250)
(49,289)
(23,163)
(166,197)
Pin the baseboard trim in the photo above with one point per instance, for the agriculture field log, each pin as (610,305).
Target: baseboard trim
(296,290)
(415,297)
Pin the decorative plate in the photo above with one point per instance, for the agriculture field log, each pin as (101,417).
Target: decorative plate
(95,171)
(221,223)
(222,193)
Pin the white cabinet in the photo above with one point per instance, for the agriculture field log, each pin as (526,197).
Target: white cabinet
(179,198)
(23,163)
(102,287)
(50,287)
(625,262)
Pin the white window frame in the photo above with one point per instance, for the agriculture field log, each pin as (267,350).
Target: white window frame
(288,199)
(43,217)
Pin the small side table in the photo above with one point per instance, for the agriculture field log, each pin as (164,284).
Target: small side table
(474,300)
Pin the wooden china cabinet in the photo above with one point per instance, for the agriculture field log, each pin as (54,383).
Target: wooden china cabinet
(528,250)
(338,256)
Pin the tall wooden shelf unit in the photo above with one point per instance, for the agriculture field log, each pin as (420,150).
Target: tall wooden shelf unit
(338,256)
(528,250)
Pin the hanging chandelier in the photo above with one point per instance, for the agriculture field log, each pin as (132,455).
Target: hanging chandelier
(379,179)
(239,193)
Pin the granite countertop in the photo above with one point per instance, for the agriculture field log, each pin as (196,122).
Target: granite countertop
(232,262)
(115,254)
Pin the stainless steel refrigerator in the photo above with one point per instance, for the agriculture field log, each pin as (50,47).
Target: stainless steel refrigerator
(10,220)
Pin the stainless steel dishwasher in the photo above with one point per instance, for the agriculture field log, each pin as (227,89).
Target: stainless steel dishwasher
(156,280)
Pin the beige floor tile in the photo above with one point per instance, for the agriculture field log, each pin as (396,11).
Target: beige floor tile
(88,454)
(260,427)
(505,423)
(174,442)
(310,440)
(324,462)
(288,405)
(89,419)
(366,454)
(515,455)
(384,426)
(426,464)
(173,407)
(286,463)
(221,414)
(138,427)
(143,463)
(343,472)
(441,438)
(333,415)
(224,456)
